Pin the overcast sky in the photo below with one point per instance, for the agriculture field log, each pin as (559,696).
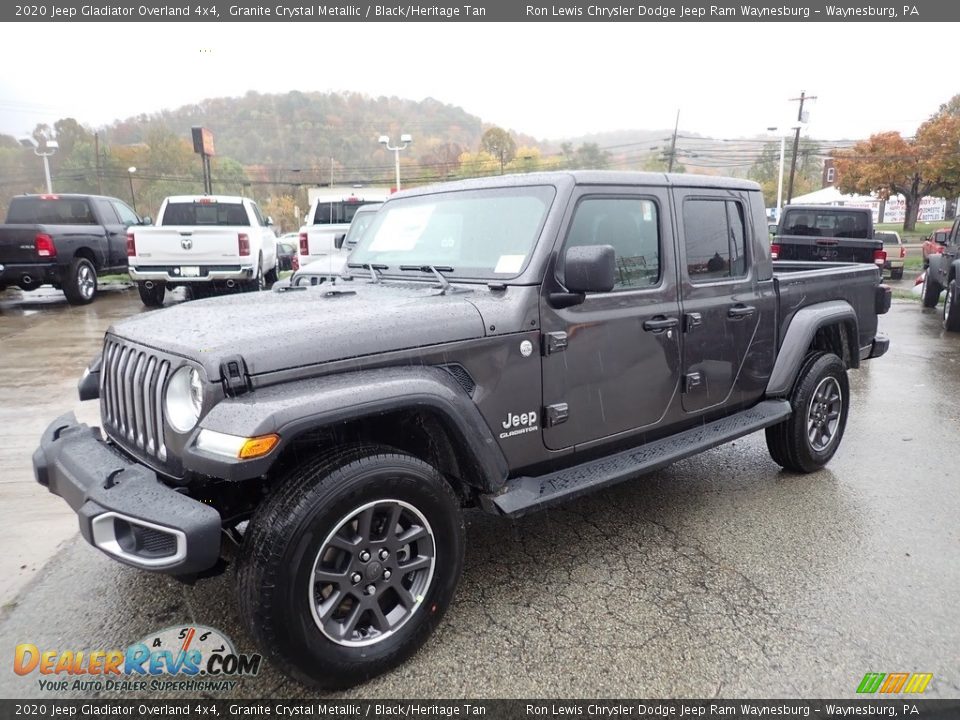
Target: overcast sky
(549,80)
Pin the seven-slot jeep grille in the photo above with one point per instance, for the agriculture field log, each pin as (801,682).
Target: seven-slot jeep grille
(131,397)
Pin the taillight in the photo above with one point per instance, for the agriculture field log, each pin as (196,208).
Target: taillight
(879,257)
(774,251)
(294,262)
(131,245)
(44,246)
(304,244)
(243,243)
(903,251)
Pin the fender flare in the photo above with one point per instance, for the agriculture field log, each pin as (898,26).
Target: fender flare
(294,408)
(800,333)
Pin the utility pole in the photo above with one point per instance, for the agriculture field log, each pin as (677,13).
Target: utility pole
(673,142)
(796,141)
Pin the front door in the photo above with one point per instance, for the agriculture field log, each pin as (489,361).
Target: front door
(728,313)
(611,365)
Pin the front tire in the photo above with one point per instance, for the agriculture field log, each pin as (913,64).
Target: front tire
(80,283)
(152,297)
(930,293)
(806,441)
(348,567)
(951,308)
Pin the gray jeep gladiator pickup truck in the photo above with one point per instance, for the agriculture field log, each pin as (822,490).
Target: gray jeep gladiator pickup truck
(504,343)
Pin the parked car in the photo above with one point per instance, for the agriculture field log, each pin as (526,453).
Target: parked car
(827,232)
(895,252)
(329,267)
(206,243)
(337,435)
(329,217)
(287,252)
(64,240)
(933,244)
(943,273)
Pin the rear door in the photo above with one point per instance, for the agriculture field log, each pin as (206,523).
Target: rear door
(728,314)
(611,364)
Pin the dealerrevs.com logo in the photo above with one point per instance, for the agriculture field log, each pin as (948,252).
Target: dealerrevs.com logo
(180,658)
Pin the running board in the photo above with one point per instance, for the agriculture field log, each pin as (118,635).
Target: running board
(526,494)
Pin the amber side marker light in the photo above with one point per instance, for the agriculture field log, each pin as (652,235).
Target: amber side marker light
(234,446)
(258,446)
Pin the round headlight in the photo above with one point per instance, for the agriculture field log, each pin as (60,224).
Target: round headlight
(184,399)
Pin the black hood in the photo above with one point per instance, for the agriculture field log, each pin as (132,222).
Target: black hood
(278,330)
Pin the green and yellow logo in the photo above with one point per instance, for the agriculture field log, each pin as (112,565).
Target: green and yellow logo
(893,683)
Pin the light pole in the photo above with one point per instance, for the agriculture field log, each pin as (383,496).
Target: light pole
(780,179)
(49,148)
(133,198)
(404,141)
(783,139)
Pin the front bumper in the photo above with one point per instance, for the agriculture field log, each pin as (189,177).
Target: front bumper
(122,507)
(171,274)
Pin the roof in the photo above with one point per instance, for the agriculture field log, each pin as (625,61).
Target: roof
(211,198)
(588,177)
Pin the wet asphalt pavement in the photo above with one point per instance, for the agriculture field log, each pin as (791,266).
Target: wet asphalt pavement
(718,576)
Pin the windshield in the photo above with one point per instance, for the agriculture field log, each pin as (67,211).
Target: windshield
(361,221)
(473,233)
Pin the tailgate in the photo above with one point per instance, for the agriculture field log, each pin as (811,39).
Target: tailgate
(17,244)
(827,249)
(186,246)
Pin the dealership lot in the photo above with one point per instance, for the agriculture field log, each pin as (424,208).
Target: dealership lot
(719,576)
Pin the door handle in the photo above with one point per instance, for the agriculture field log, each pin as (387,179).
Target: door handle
(659,324)
(740,311)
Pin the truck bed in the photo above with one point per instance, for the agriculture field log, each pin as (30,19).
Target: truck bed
(800,284)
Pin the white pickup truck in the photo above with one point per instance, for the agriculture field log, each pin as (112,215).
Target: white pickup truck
(208,243)
(331,212)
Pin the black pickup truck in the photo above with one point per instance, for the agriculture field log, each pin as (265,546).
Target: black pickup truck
(505,343)
(827,232)
(65,241)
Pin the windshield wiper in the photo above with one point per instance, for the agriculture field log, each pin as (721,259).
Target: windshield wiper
(435,269)
(372,267)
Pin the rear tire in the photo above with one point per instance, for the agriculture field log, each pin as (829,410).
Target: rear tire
(152,297)
(321,577)
(258,282)
(930,293)
(80,282)
(896,274)
(806,441)
(951,308)
(273,275)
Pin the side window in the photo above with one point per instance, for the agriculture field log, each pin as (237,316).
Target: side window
(631,226)
(127,216)
(105,209)
(714,233)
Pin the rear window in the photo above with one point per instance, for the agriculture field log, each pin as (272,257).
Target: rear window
(886,238)
(50,211)
(826,223)
(335,212)
(214,213)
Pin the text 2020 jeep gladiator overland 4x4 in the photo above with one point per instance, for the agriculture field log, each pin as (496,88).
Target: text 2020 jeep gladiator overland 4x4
(505,343)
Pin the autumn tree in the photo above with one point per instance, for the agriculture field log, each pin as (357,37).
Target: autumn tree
(498,143)
(889,164)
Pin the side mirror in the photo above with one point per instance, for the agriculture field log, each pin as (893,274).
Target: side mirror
(146,220)
(338,240)
(941,240)
(269,221)
(590,268)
